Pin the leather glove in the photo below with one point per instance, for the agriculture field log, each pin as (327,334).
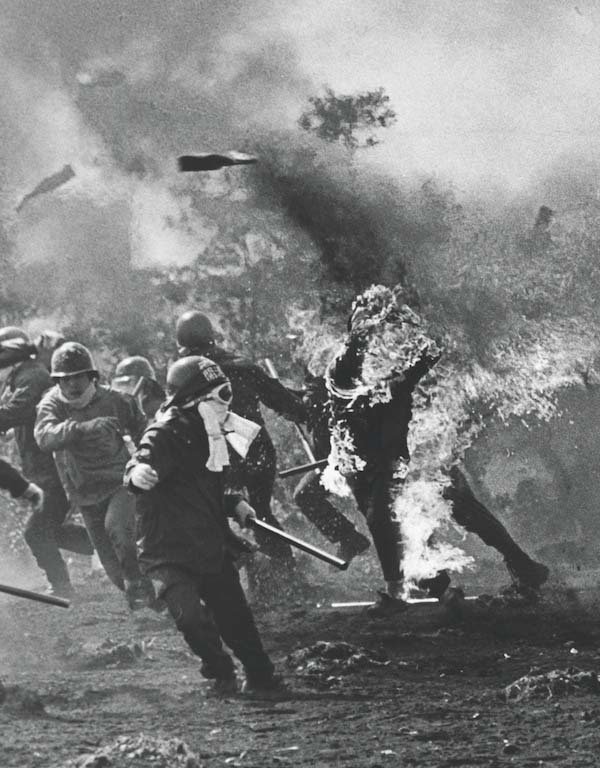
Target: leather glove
(35,495)
(143,477)
(98,425)
(244,513)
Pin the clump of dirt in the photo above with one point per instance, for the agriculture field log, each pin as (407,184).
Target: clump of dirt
(20,701)
(550,684)
(102,655)
(325,662)
(138,752)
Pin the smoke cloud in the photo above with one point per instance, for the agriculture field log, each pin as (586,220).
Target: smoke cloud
(498,106)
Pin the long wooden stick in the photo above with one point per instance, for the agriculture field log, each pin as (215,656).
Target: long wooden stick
(302,468)
(299,543)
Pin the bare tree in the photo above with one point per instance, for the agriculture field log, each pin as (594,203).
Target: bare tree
(351,119)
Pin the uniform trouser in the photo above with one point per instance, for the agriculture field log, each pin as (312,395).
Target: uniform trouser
(313,500)
(46,533)
(374,490)
(111,526)
(472,515)
(212,607)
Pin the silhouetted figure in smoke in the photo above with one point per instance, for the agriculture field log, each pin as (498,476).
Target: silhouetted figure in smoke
(372,408)
(251,386)
(47,529)
(544,217)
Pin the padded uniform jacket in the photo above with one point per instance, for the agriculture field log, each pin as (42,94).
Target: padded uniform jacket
(90,467)
(182,521)
(25,387)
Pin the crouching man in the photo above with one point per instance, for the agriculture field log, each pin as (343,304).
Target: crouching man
(183,533)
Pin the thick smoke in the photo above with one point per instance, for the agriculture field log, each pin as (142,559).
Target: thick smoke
(498,98)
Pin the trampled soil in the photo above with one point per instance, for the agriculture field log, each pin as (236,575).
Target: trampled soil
(76,680)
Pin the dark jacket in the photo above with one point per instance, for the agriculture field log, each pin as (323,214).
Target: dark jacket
(90,466)
(318,415)
(182,521)
(251,386)
(12,480)
(380,430)
(26,384)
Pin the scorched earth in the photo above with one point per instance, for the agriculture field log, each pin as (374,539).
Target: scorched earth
(95,686)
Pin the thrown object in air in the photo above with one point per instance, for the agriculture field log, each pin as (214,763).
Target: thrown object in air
(49,184)
(103,78)
(210,161)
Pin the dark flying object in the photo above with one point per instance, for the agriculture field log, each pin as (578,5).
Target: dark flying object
(105,78)
(212,162)
(49,184)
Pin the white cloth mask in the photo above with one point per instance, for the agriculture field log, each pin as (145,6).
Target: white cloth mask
(223,427)
(83,400)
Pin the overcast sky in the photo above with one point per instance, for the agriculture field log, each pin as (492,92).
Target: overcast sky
(485,90)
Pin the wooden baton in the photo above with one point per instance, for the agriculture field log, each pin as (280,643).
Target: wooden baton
(260,525)
(50,599)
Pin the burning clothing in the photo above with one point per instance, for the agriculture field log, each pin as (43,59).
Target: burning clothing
(310,495)
(371,384)
(87,442)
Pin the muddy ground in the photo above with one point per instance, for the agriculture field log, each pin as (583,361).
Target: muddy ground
(429,692)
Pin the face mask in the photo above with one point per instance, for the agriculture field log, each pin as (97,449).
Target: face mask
(222,426)
(83,400)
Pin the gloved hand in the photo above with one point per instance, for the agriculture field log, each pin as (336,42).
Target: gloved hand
(98,425)
(35,495)
(143,477)
(244,513)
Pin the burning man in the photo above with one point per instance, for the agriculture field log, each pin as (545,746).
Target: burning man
(135,376)
(83,425)
(46,531)
(182,510)
(371,384)
(371,388)
(251,386)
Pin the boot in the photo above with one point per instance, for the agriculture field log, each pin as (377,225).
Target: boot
(526,573)
(387,606)
(436,585)
(140,594)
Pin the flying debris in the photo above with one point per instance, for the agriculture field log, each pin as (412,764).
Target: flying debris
(212,162)
(104,78)
(49,184)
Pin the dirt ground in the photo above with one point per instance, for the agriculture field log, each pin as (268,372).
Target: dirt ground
(429,691)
